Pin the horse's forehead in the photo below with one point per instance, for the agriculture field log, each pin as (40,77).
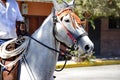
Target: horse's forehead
(67,16)
(68,13)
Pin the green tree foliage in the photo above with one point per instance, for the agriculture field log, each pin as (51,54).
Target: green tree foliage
(98,8)
(91,9)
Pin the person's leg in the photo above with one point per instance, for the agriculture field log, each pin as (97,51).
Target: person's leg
(11,72)
(2,41)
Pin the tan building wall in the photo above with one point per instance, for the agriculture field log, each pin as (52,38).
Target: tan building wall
(34,13)
(36,8)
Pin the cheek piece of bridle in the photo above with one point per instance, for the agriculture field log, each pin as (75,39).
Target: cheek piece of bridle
(57,18)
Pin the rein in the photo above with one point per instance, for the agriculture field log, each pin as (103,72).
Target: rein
(53,50)
(55,17)
(43,44)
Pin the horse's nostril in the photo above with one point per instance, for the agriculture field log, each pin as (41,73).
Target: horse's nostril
(87,47)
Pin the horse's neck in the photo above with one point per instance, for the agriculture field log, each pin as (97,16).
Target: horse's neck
(45,35)
(42,60)
(45,32)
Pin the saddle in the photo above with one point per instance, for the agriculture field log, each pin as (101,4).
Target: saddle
(11,71)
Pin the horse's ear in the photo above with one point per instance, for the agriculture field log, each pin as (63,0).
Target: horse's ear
(72,3)
(66,3)
(56,5)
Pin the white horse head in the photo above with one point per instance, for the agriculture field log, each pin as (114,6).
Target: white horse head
(62,25)
(69,29)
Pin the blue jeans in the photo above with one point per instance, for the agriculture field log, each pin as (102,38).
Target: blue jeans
(3,40)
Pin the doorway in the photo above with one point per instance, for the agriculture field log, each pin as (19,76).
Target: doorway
(94,35)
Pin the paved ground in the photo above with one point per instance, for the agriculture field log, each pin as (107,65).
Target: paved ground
(108,72)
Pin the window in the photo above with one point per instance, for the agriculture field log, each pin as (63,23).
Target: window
(114,22)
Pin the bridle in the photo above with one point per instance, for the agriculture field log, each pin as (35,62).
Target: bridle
(57,18)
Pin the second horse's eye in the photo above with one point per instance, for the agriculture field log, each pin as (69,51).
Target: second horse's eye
(67,20)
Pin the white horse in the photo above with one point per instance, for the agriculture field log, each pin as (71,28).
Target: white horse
(62,25)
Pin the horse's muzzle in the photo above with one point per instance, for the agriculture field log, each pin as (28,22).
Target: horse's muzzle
(89,48)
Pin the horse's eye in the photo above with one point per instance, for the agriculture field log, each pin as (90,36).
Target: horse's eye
(61,18)
(67,20)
